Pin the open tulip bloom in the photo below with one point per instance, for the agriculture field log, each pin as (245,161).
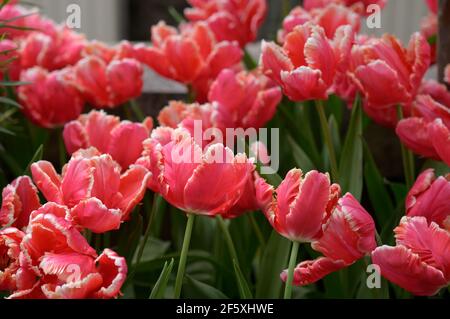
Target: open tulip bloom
(103,198)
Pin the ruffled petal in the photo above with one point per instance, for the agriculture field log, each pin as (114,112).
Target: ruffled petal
(47,180)
(404,268)
(92,214)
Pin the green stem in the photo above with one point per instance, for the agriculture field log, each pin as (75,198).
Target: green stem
(137,110)
(290,277)
(155,205)
(249,62)
(407,157)
(258,232)
(183,256)
(228,240)
(328,140)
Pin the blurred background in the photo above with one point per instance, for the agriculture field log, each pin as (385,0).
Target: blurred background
(113,20)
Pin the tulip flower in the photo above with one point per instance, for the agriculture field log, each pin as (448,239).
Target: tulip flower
(253,103)
(433,5)
(307,64)
(422,133)
(56,262)
(298,209)
(192,56)
(122,140)
(420,262)
(10,239)
(330,18)
(300,206)
(437,91)
(199,182)
(440,134)
(359,6)
(121,51)
(383,65)
(19,200)
(185,170)
(178,113)
(24,21)
(348,235)
(429,198)
(108,85)
(429,30)
(243,100)
(230,20)
(98,197)
(9,61)
(50,99)
(53,52)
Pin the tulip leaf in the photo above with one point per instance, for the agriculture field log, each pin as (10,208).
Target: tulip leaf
(377,189)
(198,290)
(335,108)
(351,163)
(7,100)
(273,262)
(36,158)
(335,135)
(440,169)
(160,286)
(301,158)
(244,289)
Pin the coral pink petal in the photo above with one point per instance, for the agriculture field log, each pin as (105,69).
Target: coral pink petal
(47,180)
(184,57)
(75,137)
(113,269)
(440,137)
(126,143)
(132,188)
(414,133)
(304,84)
(404,268)
(225,55)
(376,79)
(309,272)
(77,181)
(92,214)
(306,212)
(219,179)
(274,61)
(48,233)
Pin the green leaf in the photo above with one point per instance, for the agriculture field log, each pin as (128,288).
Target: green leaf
(176,15)
(377,189)
(8,101)
(244,289)
(6,131)
(153,249)
(301,158)
(273,262)
(36,157)
(198,290)
(160,286)
(335,135)
(440,168)
(336,107)
(10,83)
(351,163)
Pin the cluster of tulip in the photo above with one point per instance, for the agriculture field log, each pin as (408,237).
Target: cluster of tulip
(45,248)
